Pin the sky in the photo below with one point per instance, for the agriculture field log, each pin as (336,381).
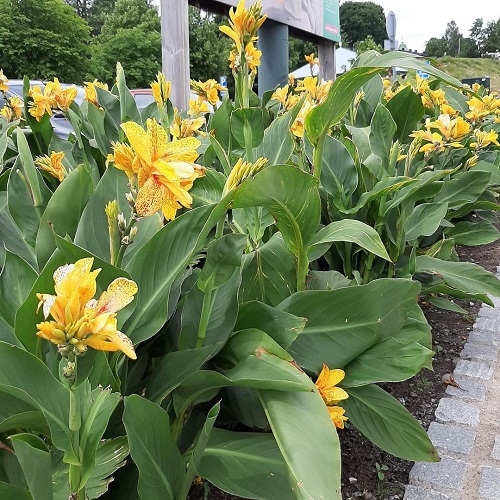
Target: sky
(417,22)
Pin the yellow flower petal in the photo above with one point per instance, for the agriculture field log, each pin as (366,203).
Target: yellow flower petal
(139,140)
(120,293)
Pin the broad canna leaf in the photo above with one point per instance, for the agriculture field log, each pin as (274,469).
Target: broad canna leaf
(377,414)
(292,198)
(208,189)
(464,188)
(425,220)
(300,421)
(363,316)
(247,127)
(351,230)
(153,449)
(382,131)
(30,450)
(72,194)
(277,145)
(246,464)
(473,233)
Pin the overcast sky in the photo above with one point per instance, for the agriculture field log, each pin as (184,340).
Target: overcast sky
(418,21)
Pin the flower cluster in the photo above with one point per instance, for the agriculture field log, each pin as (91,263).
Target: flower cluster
(81,321)
(162,171)
(326,385)
(53,96)
(52,164)
(91,93)
(161,89)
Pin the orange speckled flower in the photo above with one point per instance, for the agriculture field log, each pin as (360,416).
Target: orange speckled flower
(326,384)
(79,320)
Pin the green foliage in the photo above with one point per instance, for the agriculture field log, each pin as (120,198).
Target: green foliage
(43,40)
(130,35)
(358,20)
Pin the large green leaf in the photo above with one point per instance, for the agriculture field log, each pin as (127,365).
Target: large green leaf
(388,361)
(382,131)
(8,490)
(174,368)
(407,110)
(277,145)
(26,377)
(268,273)
(343,323)
(387,423)
(464,276)
(246,464)
(283,327)
(16,413)
(93,233)
(339,176)
(292,198)
(341,93)
(473,233)
(31,450)
(464,188)
(16,279)
(208,189)
(63,212)
(351,230)
(425,220)
(300,421)
(156,265)
(247,127)
(153,449)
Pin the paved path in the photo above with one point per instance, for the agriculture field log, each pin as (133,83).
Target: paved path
(466,430)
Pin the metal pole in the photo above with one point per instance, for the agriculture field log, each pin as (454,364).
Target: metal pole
(273,42)
(175,49)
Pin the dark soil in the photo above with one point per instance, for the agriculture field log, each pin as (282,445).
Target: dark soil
(420,395)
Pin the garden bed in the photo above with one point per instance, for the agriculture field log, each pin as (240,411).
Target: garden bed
(420,395)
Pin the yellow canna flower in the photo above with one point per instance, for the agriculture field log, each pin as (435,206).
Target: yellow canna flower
(52,164)
(90,91)
(80,321)
(243,23)
(13,109)
(308,84)
(446,109)
(4,83)
(161,89)
(291,79)
(478,109)
(326,385)
(312,60)
(185,127)
(207,91)
(436,142)
(197,107)
(484,139)
(297,127)
(451,129)
(165,171)
(281,94)
(42,102)
(252,56)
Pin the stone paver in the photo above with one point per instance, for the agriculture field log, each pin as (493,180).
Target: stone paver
(495,454)
(448,473)
(473,351)
(416,493)
(475,369)
(467,389)
(487,338)
(488,323)
(490,483)
(453,410)
(451,438)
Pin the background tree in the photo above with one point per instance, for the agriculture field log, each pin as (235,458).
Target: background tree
(468,48)
(435,47)
(452,37)
(367,44)
(297,49)
(130,35)
(492,37)
(477,34)
(43,40)
(360,19)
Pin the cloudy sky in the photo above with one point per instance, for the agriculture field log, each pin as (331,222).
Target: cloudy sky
(417,22)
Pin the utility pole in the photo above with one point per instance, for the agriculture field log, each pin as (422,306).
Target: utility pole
(175,49)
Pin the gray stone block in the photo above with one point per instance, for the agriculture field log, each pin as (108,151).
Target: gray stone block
(449,473)
(475,369)
(451,438)
(495,454)
(488,324)
(484,352)
(416,493)
(487,311)
(468,389)
(487,338)
(490,483)
(454,410)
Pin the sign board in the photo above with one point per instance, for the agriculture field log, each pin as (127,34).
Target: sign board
(317,17)
(422,74)
(390,26)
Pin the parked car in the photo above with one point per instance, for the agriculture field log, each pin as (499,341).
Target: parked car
(143,97)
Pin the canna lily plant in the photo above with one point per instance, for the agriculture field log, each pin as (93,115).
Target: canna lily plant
(198,275)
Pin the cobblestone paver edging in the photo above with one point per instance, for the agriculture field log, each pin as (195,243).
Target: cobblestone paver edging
(466,431)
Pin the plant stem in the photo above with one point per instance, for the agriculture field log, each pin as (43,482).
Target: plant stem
(75,422)
(205,313)
(123,247)
(318,156)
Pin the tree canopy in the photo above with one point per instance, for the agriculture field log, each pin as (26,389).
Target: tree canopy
(358,20)
(130,35)
(43,40)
